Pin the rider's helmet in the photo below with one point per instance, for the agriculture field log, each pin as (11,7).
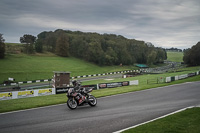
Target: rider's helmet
(74,82)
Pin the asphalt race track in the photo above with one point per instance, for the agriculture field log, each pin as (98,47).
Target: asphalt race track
(111,113)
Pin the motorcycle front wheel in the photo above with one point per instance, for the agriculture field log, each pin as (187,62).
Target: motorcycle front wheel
(71,103)
(92,101)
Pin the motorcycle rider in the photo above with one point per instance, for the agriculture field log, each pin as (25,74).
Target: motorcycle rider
(77,87)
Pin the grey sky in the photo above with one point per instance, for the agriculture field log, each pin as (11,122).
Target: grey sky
(165,23)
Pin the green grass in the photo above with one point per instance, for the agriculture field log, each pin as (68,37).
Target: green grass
(41,66)
(187,121)
(175,56)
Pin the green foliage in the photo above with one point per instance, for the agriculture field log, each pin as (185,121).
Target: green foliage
(192,56)
(106,49)
(39,46)
(62,46)
(2,47)
(29,41)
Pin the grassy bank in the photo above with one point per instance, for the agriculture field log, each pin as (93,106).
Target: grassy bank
(187,121)
(41,66)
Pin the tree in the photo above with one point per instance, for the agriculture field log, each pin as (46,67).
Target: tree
(192,56)
(186,56)
(2,47)
(110,57)
(62,45)
(95,53)
(29,40)
(39,46)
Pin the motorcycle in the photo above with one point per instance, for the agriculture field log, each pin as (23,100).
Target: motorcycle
(79,98)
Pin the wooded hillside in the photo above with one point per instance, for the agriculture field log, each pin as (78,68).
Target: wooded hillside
(102,49)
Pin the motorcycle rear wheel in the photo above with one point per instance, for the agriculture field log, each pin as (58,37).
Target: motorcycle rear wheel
(92,101)
(71,103)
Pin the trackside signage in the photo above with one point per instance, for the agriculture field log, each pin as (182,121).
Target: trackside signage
(179,77)
(50,91)
(5,95)
(27,93)
(64,90)
(61,90)
(114,84)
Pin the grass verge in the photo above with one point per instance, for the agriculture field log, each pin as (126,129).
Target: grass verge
(187,121)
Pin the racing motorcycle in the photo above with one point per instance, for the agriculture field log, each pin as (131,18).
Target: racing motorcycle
(79,98)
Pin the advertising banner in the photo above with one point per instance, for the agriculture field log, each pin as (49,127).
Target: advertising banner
(182,76)
(61,90)
(168,79)
(23,94)
(87,87)
(134,82)
(5,95)
(191,74)
(44,92)
(114,84)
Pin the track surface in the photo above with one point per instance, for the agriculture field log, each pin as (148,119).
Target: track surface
(111,113)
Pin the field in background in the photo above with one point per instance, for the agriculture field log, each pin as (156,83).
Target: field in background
(24,67)
(175,56)
(41,66)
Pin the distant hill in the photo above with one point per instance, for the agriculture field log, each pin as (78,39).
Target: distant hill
(175,56)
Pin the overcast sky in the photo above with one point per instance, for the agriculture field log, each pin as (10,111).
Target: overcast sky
(165,23)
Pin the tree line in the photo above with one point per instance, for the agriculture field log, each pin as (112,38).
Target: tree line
(192,55)
(101,49)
